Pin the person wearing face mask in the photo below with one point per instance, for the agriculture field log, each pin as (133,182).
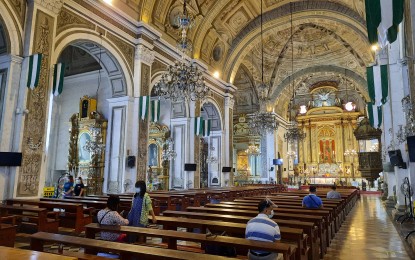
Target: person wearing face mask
(263,228)
(68,187)
(79,187)
(141,207)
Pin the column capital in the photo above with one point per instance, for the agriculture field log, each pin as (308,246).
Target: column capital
(144,54)
(229,102)
(53,6)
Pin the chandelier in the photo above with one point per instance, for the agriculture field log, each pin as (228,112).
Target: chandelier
(253,150)
(409,128)
(265,120)
(168,153)
(211,159)
(95,145)
(183,80)
(350,153)
(293,133)
(292,155)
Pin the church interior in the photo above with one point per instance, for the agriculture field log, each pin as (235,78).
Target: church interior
(215,105)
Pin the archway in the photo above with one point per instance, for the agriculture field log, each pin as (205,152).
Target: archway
(211,147)
(92,72)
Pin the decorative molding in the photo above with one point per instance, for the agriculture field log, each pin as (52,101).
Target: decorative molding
(229,102)
(67,19)
(144,54)
(35,122)
(126,49)
(19,7)
(143,131)
(54,6)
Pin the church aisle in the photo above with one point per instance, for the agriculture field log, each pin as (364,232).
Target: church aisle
(367,233)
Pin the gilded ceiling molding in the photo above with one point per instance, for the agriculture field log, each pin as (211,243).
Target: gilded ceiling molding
(19,8)
(334,12)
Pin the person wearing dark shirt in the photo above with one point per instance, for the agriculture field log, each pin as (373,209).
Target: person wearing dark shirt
(79,187)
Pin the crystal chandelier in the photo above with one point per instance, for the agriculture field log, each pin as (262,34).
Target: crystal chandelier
(293,133)
(183,81)
(265,120)
(211,159)
(253,150)
(168,153)
(409,128)
(350,153)
(95,145)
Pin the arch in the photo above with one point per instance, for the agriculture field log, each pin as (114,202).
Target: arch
(118,73)
(322,68)
(217,108)
(12,31)
(337,14)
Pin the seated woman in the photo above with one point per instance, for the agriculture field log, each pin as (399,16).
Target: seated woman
(110,216)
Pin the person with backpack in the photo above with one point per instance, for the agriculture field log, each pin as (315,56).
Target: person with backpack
(312,201)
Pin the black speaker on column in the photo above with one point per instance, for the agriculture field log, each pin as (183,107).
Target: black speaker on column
(10,159)
(131,161)
(395,157)
(189,167)
(411,148)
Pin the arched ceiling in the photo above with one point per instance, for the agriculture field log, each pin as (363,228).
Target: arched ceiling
(226,36)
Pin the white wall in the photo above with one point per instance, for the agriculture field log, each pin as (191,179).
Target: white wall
(64,106)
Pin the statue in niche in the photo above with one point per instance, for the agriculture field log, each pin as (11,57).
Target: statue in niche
(153,155)
(84,155)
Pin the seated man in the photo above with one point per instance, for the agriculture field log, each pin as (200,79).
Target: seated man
(110,216)
(312,201)
(333,194)
(263,228)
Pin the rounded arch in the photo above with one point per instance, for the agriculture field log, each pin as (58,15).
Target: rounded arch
(336,15)
(216,107)
(12,32)
(118,72)
(322,68)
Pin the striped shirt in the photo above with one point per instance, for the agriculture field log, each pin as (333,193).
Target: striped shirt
(262,228)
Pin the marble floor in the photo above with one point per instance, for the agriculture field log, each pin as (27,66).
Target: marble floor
(367,233)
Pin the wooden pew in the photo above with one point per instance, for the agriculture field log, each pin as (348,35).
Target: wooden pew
(71,215)
(172,236)
(125,251)
(236,230)
(317,220)
(35,217)
(8,253)
(308,227)
(7,231)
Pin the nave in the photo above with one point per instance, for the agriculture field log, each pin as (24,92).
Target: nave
(367,233)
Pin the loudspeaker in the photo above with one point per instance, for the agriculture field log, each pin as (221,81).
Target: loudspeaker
(277,161)
(226,169)
(189,167)
(131,161)
(272,168)
(10,159)
(396,158)
(411,148)
(233,169)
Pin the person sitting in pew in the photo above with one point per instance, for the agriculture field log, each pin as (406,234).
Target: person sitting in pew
(263,228)
(333,194)
(312,201)
(79,187)
(110,216)
(68,187)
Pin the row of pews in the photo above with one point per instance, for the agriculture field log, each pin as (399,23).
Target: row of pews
(306,233)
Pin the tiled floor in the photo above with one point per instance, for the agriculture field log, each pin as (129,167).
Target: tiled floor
(367,233)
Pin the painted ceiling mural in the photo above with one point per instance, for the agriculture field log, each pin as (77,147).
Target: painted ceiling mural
(329,39)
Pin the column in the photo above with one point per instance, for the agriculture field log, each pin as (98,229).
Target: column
(228,138)
(314,147)
(142,75)
(39,38)
(11,121)
(267,154)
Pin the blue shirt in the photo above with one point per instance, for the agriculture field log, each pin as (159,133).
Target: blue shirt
(135,213)
(311,201)
(262,228)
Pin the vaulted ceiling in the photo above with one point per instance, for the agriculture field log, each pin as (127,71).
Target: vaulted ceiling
(329,38)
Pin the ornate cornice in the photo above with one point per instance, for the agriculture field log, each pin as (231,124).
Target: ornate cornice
(229,102)
(144,54)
